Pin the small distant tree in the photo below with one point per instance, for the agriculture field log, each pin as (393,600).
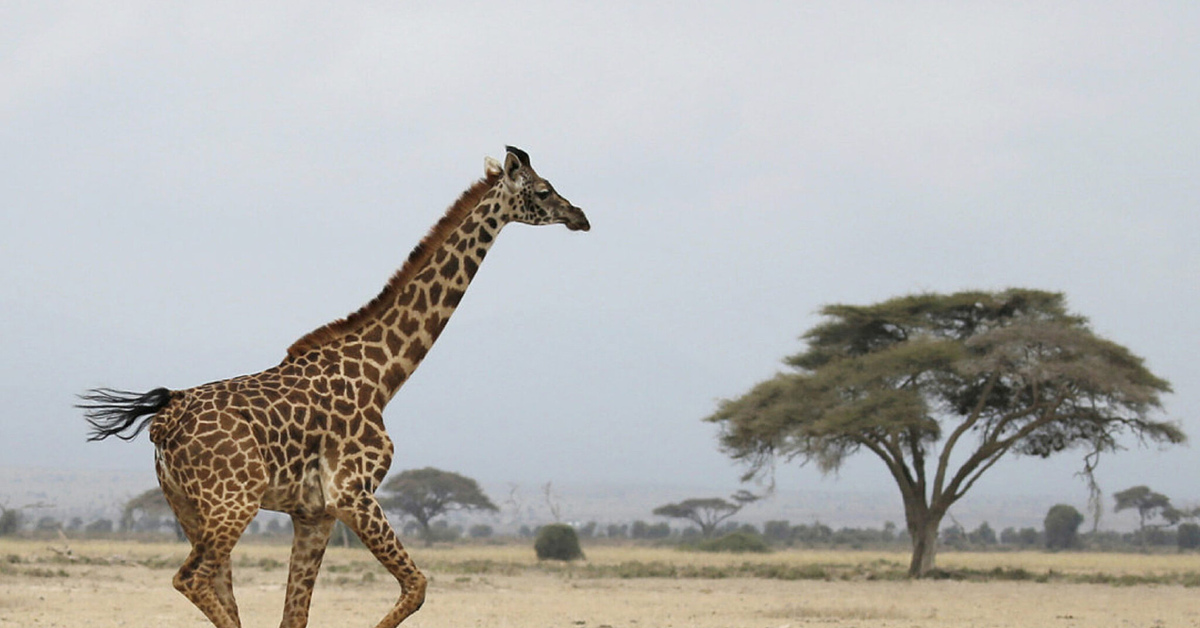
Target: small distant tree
(10,521)
(425,494)
(983,535)
(777,531)
(99,526)
(1188,536)
(587,530)
(1062,526)
(150,507)
(707,513)
(1150,505)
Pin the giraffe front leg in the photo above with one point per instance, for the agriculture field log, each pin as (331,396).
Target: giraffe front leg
(310,538)
(364,516)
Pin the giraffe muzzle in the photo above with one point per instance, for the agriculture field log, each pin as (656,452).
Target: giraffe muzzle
(575,220)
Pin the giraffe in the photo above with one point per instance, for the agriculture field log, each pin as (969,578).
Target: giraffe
(307,436)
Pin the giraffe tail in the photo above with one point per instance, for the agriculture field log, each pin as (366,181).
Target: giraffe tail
(114,412)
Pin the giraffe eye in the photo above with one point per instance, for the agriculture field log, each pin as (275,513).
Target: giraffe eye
(543,194)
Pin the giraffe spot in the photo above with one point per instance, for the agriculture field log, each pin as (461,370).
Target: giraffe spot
(373,336)
(370,371)
(453,297)
(408,325)
(225,449)
(394,378)
(433,325)
(484,235)
(471,267)
(435,292)
(421,304)
(416,350)
(351,369)
(450,268)
(376,354)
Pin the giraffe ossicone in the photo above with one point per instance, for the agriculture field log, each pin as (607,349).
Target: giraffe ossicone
(306,437)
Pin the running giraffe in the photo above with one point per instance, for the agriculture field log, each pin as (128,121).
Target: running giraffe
(307,437)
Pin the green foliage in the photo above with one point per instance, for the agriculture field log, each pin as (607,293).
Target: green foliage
(10,521)
(1062,527)
(1188,536)
(983,535)
(643,530)
(736,542)
(557,541)
(480,531)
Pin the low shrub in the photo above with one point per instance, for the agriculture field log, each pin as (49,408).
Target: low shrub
(557,541)
(736,542)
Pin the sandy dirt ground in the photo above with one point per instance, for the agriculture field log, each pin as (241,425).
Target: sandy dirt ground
(135,590)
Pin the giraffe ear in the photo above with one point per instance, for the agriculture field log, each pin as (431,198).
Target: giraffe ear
(512,172)
(491,167)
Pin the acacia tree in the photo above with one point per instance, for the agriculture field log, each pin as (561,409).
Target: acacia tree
(707,513)
(914,379)
(425,494)
(1150,505)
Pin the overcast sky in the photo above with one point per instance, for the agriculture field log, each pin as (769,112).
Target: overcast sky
(187,188)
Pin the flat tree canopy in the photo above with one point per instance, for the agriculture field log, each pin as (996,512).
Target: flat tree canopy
(915,378)
(425,494)
(707,513)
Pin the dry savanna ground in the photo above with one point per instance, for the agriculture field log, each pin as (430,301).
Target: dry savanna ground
(105,584)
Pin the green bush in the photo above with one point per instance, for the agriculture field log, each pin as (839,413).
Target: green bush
(736,542)
(1188,536)
(557,541)
(1062,527)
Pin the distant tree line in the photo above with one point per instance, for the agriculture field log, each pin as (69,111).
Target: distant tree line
(421,498)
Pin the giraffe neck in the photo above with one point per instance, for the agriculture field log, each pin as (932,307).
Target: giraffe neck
(384,342)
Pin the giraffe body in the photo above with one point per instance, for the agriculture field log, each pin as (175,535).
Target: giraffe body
(307,437)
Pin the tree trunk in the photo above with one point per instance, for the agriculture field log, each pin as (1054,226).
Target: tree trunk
(924,533)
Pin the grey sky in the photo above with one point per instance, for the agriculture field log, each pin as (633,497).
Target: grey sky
(188,188)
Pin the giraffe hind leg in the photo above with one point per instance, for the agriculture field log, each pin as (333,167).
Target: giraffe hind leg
(189,519)
(206,577)
(309,540)
(366,519)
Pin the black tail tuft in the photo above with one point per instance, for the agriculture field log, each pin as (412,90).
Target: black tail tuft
(111,412)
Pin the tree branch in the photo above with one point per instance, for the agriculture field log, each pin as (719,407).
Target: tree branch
(971,421)
(993,447)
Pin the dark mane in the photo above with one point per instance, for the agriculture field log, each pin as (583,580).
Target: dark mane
(416,260)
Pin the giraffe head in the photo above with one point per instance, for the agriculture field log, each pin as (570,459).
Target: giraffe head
(533,200)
